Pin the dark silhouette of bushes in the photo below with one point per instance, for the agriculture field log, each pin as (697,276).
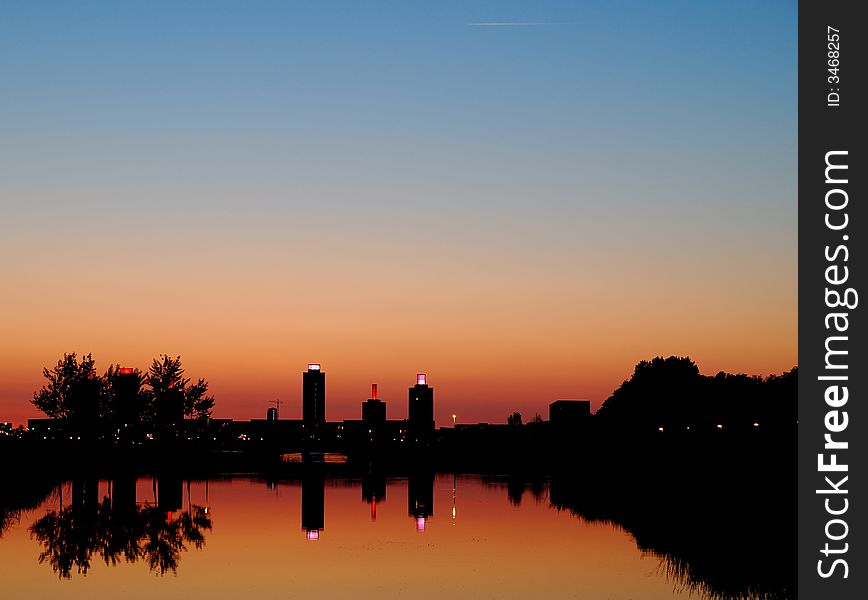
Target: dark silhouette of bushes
(670,396)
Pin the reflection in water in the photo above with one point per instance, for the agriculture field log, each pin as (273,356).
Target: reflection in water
(373,490)
(499,542)
(719,546)
(118,529)
(18,495)
(454,494)
(313,505)
(420,498)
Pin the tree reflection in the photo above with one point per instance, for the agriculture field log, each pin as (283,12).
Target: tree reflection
(70,537)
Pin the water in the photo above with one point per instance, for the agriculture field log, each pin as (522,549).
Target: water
(426,537)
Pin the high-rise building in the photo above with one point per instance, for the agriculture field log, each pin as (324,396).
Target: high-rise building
(313,396)
(421,410)
(374,412)
(126,409)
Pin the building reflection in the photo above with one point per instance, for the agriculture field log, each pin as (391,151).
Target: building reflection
(373,491)
(313,504)
(123,495)
(170,493)
(117,528)
(85,494)
(420,497)
(108,521)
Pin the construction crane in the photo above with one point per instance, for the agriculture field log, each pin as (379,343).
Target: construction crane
(277,404)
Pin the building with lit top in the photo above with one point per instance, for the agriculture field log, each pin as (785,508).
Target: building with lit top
(313,505)
(125,397)
(420,425)
(374,414)
(313,397)
(420,498)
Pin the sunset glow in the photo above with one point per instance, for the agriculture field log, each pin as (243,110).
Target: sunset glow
(254,189)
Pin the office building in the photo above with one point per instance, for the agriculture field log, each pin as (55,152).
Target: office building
(313,397)
(374,412)
(421,410)
(127,408)
(569,412)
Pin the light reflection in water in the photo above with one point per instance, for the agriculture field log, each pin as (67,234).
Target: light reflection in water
(219,537)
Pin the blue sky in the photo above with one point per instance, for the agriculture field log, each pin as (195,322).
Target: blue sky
(492,146)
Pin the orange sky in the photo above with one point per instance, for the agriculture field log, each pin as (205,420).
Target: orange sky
(397,191)
(495,332)
(488,349)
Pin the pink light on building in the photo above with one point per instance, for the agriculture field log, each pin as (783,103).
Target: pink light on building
(313,366)
(311,535)
(421,379)
(420,524)
(373,391)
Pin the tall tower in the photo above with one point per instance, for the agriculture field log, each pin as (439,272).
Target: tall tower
(125,397)
(374,411)
(313,397)
(421,410)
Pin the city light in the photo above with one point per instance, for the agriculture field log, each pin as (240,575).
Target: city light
(421,379)
(420,524)
(313,366)
(312,535)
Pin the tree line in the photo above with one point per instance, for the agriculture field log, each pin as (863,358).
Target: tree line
(670,394)
(121,400)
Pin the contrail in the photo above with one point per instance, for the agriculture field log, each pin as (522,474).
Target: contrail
(514,23)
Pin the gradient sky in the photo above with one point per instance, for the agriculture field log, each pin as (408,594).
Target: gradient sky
(522,199)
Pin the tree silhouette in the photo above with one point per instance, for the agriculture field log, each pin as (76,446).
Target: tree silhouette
(73,393)
(122,401)
(173,395)
(72,536)
(126,401)
(514,420)
(669,394)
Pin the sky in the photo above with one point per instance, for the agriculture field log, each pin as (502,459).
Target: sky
(521,199)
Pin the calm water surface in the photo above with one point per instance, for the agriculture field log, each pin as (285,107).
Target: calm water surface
(426,537)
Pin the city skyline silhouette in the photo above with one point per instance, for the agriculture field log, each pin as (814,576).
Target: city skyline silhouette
(399,190)
(432,300)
